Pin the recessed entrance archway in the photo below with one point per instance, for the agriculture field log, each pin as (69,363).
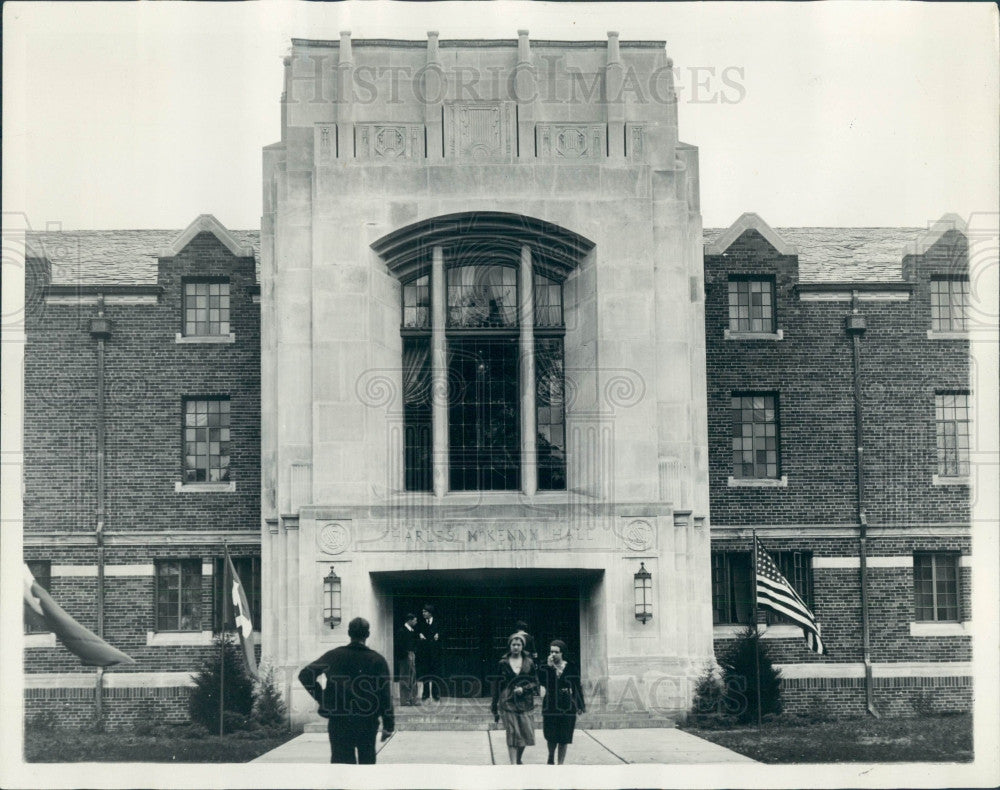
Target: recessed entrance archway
(477,610)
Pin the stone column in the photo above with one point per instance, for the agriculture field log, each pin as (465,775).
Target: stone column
(345,98)
(525,95)
(615,104)
(432,86)
(529,454)
(439,374)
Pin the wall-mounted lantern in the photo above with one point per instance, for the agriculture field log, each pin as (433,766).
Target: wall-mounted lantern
(643,594)
(331,599)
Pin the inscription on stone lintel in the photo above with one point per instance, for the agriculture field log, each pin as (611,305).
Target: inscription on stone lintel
(466,536)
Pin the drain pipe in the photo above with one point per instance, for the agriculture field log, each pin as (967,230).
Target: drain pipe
(100,330)
(855,329)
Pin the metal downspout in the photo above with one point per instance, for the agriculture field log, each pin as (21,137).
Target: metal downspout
(100,330)
(855,328)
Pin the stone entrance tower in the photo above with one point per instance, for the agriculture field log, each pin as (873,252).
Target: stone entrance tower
(483,363)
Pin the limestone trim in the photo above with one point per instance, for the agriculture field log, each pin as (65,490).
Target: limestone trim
(214,339)
(901,669)
(64,571)
(758,482)
(921,629)
(164,638)
(942,480)
(750,221)
(935,232)
(205,488)
(91,299)
(211,538)
(840,531)
(35,641)
(206,222)
(934,334)
(730,334)
(781,631)
(80,680)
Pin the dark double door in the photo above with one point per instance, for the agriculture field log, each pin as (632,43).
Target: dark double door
(476,622)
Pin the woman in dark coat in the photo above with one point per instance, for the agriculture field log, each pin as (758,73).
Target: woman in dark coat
(515,687)
(563,699)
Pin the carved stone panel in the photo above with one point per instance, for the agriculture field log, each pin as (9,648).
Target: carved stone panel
(389,141)
(480,131)
(571,142)
(325,143)
(634,142)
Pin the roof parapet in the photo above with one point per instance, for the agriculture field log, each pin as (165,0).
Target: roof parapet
(750,221)
(206,222)
(933,235)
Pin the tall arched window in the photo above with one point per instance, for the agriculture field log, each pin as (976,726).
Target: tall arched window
(482,350)
(484,371)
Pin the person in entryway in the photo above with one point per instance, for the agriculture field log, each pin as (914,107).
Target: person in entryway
(521,627)
(406,660)
(563,700)
(356,695)
(515,687)
(429,653)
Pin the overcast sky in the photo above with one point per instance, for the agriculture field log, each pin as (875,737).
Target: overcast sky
(144,115)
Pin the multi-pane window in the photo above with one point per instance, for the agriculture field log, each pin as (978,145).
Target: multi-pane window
(550,410)
(755,435)
(42,571)
(417,303)
(935,586)
(248,569)
(951,413)
(482,296)
(178,595)
(949,303)
(751,304)
(206,440)
(732,584)
(484,387)
(548,302)
(206,308)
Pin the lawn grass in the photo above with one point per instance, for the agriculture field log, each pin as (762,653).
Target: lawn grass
(943,738)
(43,745)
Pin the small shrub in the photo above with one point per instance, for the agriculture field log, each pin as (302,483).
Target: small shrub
(268,707)
(709,706)
(203,705)
(43,720)
(922,703)
(739,677)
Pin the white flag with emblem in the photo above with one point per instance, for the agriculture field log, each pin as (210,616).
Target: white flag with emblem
(242,615)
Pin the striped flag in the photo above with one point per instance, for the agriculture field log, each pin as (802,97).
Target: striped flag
(775,593)
(242,615)
(41,609)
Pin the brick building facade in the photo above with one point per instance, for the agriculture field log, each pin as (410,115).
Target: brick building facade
(271,405)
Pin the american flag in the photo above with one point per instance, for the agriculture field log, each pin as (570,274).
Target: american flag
(775,593)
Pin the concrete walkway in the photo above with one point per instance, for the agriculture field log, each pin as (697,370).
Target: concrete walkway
(479,747)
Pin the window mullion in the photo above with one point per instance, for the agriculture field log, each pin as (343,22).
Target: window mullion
(529,443)
(439,375)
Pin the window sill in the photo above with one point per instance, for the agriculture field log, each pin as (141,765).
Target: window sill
(188,339)
(162,638)
(933,334)
(727,630)
(205,488)
(39,640)
(758,482)
(781,631)
(731,334)
(941,629)
(940,480)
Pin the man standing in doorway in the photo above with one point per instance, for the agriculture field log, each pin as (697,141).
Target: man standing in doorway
(356,695)
(430,654)
(406,660)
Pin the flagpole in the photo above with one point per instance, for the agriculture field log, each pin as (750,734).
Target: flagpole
(756,631)
(222,640)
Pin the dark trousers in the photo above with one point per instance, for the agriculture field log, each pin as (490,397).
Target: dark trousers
(353,748)
(407,674)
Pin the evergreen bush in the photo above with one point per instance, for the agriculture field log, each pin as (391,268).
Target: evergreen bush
(203,705)
(268,708)
(739,678)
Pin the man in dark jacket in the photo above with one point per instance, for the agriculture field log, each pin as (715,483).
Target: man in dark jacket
(429,653)
(356,695)
(406,660)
